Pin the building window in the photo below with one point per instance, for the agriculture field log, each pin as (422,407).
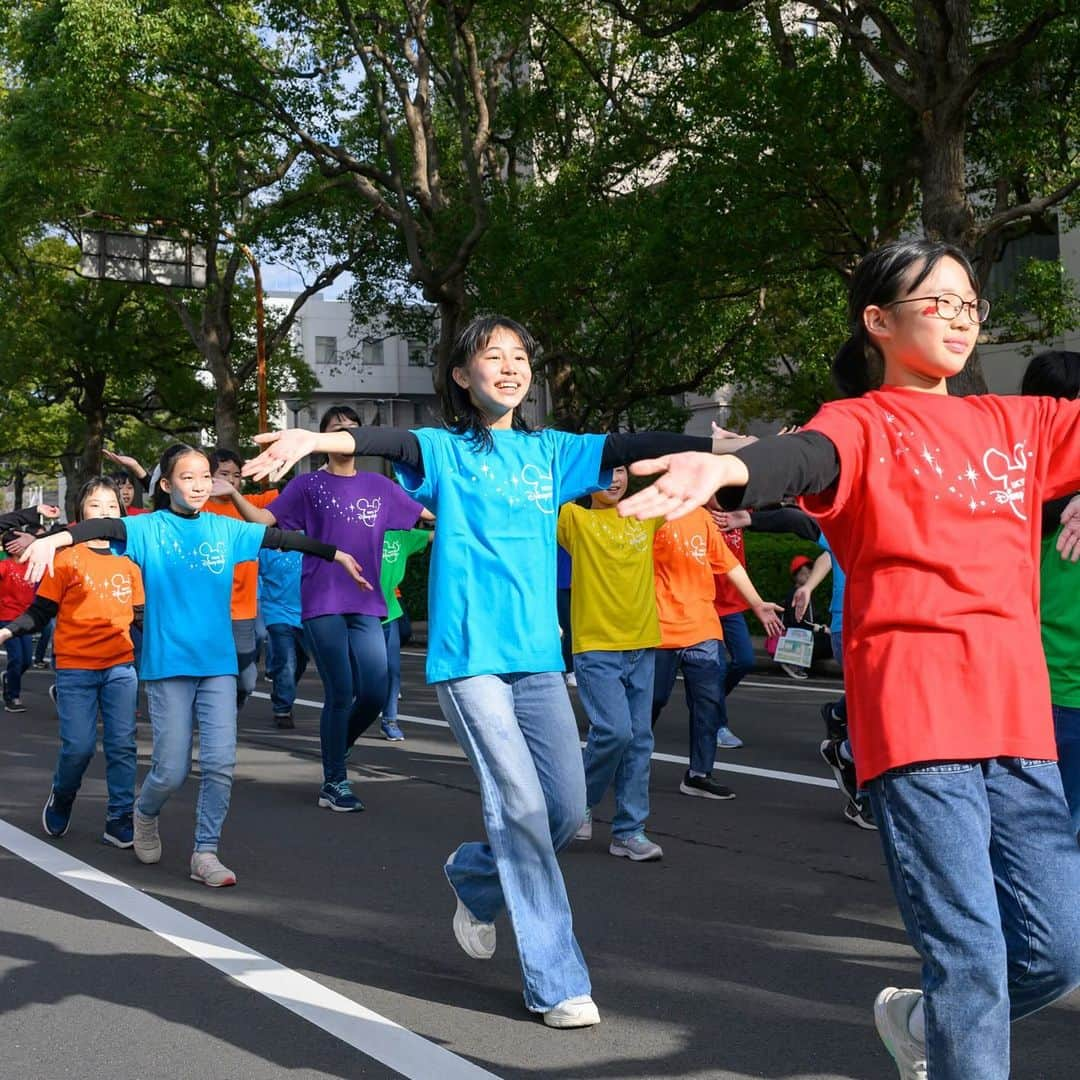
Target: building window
(325,350)
(373,353)
(418,354)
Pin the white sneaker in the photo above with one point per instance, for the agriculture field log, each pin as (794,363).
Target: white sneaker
(892,1010)
(575,1012)
(207,868)
(476,938)
(571,679)
(147,841)
(584,831)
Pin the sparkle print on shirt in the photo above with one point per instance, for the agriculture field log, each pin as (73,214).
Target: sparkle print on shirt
(695,546)
(121,588)
(998,468)
(628,535)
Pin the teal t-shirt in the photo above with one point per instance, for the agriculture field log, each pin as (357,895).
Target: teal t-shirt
(398,546)
(187,570)
(491,590)
(1060,601)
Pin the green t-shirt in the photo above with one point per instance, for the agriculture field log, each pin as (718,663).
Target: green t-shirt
(1061,639)
(398,545)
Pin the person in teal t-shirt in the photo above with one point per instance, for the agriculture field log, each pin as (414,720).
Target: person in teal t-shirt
(494,655)
(398,546)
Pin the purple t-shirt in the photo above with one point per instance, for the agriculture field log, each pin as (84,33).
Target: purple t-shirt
(352,513)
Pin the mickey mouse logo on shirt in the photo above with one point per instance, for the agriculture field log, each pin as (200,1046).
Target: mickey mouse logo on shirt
(121,587)
(391,550)
(539,489)
(998,466)
(367,510)
(698,548)
(213,556)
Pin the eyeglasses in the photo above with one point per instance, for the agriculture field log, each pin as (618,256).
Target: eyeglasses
(949,305)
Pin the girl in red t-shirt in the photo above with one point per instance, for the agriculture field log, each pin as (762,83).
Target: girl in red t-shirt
(932,503)
(16,595)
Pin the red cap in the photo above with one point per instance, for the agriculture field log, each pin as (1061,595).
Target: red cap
(798,563)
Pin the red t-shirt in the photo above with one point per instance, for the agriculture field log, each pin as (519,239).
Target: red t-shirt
(727,599)
(16,593)
(936,519)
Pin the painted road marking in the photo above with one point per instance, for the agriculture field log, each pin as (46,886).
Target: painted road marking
(377,1037)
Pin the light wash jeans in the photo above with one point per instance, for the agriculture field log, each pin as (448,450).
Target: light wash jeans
(521,739)
(80,694)
(177,705)
(616,690)
(1067,734)
(986,872)
(246,643)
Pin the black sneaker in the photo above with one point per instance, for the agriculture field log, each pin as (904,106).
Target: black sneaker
(56,815)
(843,770)
(859,812)
(835,728)
(14,705)
(704,787)
(284,720)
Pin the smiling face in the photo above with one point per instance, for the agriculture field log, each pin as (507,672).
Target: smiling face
(497,378)
(188,487)
(101,502)
(611,495)
(920,348)
(127,490)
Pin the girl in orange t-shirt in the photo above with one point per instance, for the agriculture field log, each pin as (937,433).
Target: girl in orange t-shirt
(932,504)
(95,597)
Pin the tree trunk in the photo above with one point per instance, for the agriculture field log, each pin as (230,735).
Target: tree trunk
(226,393)
(19,482)
(451,302)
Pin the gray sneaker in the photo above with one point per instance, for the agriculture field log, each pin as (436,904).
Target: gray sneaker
(584,831)
(147,841)
(637,848)
(892,1010)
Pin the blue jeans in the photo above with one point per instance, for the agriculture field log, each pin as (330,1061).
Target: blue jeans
(986,872)
(840,705)
(19,654)
(176,706)
(521,739)
(740,650)
(80,693)
(246,643)
(350,653)
(1067,732)
(703,677)
(44,641)
(392,634)
(616,690)
(286,662)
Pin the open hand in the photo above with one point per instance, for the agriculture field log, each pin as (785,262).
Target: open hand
(39,558)
(282,450)
(769,615)
(19,543)
(685,482)
(47,510)
(352,568)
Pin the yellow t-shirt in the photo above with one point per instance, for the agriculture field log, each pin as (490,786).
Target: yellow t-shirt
(613,601)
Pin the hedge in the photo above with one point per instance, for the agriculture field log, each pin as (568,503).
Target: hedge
(768,556)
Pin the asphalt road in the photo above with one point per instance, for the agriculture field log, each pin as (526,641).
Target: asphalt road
(754,949)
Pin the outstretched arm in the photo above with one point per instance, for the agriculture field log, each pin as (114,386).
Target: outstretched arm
(283,449)
(33,619)
(768,614)
(247,510)
(281,540)
(40,554)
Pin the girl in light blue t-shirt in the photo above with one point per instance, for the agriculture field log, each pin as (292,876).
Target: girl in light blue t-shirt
(495,487)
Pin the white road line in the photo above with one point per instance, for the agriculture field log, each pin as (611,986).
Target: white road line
(671,759)
(397,1047)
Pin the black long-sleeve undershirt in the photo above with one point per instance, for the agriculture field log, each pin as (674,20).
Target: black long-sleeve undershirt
(273,539)
(22,519)
(781,467)
(620,448)
(38,614)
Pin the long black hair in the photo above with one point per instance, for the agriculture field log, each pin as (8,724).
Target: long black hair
(459,413)
(165,469)
(879,279)
(1053,374)
(95,483)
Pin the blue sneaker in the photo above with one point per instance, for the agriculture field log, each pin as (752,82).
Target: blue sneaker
(339,797)
(56,816)
(726,739)
(120,832)
(391,731)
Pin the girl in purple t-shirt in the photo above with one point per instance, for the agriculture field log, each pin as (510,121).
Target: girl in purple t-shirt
(351,510)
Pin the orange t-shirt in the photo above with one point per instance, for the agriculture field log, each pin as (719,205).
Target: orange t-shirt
(686,555)
(96,593)
(245,592)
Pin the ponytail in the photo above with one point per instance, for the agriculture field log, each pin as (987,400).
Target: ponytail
(857,367)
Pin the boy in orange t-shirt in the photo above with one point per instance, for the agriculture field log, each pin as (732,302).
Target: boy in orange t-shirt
(686,555)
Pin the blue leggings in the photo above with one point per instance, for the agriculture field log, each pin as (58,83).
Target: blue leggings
(350,653)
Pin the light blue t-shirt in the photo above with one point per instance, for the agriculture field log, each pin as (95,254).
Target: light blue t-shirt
(279,587)
(836,605)
(187,570)
(491,591)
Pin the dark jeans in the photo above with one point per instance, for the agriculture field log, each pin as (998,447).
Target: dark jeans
(986,872)
(19,652)
(703,667)
(392,633)
(1067,733)
(286,662)
(740,650)
(44,641)
(562,599)
(350,653)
